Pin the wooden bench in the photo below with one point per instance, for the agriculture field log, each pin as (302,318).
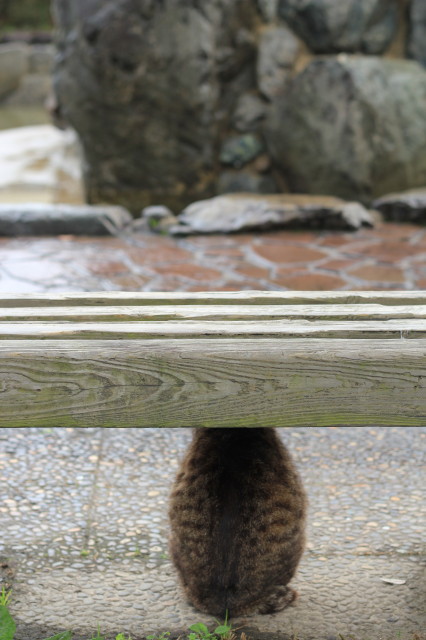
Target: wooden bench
(213,359)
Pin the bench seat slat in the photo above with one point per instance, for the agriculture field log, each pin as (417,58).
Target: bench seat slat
(227,313)
(238,359)
(224,383)
(389,298)
(71,330)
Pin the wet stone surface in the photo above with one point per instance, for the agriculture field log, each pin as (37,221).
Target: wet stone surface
(84,527)
(390,256)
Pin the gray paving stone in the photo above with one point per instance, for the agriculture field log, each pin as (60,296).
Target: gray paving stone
(33,219)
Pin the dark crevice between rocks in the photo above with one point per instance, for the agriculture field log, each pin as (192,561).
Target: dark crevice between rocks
(124,65)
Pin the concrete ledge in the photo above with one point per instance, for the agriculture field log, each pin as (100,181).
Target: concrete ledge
(44,219)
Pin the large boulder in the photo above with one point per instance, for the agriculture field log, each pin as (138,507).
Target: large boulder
(268,9)
(417,31)
(354,127)
(278,50)
(331,26)
(149,86)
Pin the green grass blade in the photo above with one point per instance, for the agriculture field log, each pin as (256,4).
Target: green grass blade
(222,629)
(199,627)
(5,596)
(7,624)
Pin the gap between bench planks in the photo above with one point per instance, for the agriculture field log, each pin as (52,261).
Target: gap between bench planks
(213,359)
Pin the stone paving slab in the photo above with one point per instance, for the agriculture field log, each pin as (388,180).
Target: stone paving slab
(149,600)
(391,256)
(84,527)
(37,219)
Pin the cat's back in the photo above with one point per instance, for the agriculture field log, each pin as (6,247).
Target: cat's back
(237,518)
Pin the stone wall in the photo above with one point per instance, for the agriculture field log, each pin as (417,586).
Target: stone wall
(25,73)
(176,100)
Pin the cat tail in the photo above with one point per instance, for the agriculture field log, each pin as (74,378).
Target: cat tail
(280,598)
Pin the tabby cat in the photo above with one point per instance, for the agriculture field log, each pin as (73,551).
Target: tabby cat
(237,514)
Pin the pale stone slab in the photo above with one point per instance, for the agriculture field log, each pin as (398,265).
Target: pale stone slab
(243,211)
(40,160)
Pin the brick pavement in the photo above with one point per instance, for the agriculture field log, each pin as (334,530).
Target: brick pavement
(391,256)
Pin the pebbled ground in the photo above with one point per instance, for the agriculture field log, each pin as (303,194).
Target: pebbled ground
(84,527)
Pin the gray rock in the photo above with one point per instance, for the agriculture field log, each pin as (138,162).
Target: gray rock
(249,112)
(332,26)
(238,212)
(408,206)
(417,31)
(149,87)
(353,127)
(13,66)
(45,219)
(156,218)
(278,49)
(243,181)
(240,150)
(268,9)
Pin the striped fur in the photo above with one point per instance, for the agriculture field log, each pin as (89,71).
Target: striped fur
(237,513)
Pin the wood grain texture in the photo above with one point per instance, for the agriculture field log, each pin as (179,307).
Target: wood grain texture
(390,298)
(283,328)
(228,313)
(222,359)
(213,382)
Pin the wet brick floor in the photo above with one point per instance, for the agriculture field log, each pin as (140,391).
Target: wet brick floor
(390,256)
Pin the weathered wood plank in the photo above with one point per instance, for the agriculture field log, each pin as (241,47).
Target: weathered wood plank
(228,313)
(212,298)
(222,359)
(360,329)
(223,383)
